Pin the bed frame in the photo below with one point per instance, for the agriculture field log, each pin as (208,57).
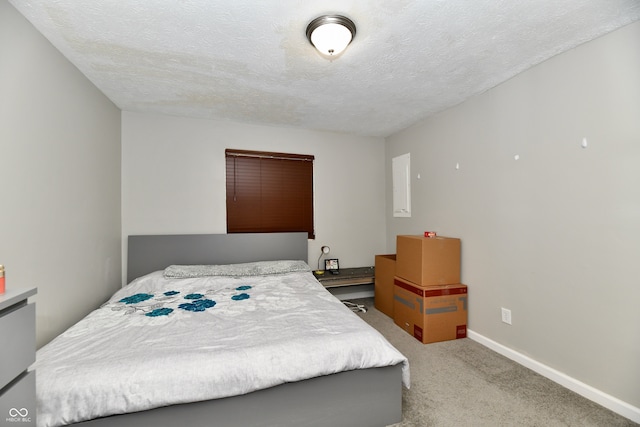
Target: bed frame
(365,397)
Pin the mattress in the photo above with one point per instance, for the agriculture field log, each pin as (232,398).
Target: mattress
(194,333)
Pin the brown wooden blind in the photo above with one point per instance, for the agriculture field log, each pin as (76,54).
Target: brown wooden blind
(269,192)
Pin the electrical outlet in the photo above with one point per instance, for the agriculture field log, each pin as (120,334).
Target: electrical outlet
(506,316)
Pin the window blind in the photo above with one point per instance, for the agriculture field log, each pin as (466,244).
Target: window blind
(269,192)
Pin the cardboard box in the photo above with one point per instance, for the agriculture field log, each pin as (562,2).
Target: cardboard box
(383,285)
(428,261)
(430,314)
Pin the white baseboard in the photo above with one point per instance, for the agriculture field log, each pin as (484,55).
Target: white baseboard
(585,390)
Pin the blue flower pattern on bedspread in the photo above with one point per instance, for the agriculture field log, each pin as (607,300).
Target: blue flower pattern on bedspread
(133,299)
(196,302)
(240,297)
(198,305)
(243,295)
(160,312)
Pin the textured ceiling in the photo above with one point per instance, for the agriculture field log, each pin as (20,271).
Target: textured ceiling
(249,61)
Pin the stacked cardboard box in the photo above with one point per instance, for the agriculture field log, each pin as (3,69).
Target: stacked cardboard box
(429,302)
(385,269)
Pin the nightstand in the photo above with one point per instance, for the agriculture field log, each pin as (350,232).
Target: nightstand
(18,343)
(347,277)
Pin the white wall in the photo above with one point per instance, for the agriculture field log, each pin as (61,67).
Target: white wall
(174,181)
(60,179)
(553,236)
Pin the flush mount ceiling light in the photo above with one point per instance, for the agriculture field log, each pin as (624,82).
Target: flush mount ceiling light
(331,34)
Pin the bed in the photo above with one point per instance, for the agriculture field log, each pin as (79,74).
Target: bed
(220,330)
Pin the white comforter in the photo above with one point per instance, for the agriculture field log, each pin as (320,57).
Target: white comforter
(149,346)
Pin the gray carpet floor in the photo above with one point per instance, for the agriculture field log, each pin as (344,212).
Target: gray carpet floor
(463,383)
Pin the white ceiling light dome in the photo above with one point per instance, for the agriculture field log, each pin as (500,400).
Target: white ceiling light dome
(331,34)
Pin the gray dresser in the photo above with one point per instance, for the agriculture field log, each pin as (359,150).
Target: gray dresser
(17,353)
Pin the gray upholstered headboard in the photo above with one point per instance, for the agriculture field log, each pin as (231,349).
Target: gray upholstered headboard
(150,253)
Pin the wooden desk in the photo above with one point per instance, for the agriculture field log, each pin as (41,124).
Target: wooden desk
(347,277)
